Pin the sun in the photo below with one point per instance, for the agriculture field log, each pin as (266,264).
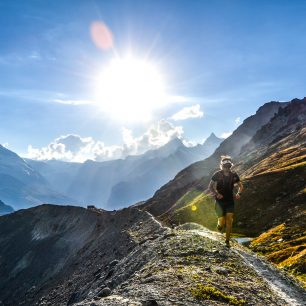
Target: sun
(130,89)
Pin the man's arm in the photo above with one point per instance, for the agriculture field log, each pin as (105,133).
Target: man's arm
(240,187)
(239,191)
(213,189)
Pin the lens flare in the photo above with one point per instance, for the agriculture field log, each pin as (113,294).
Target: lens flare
(101,35)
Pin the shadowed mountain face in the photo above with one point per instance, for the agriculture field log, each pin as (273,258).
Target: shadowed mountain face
(41,246)
(158,167)
(119,183)
(21,186)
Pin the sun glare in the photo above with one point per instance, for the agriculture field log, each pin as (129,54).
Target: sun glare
(130,89)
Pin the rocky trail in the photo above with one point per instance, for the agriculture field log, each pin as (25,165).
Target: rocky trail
(193,259)
(128,258)
(284,286)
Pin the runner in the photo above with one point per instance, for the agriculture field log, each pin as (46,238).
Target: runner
(222,185)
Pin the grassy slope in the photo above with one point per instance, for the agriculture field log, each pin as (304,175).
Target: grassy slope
(275,194)
(193,206)
(285,245)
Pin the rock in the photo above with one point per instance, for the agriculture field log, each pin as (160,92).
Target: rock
(222,271)
(98,271)
(150,279)
(200,250)
(105,292)
(150,302)
(167,235)
(113,263)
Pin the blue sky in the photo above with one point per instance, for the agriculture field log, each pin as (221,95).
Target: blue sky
(225,58)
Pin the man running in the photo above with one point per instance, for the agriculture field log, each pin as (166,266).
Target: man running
(221,185)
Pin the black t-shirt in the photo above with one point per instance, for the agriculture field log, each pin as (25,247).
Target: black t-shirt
(225,183)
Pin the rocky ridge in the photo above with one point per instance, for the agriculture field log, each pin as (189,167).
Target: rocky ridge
(124,258)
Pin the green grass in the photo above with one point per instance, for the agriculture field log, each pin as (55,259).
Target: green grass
(198,207)
(208,292)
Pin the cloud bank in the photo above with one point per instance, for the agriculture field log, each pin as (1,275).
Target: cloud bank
(188,112)
(75,148)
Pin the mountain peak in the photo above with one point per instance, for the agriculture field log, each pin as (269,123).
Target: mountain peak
(169,148)
(212,139)
(175,142)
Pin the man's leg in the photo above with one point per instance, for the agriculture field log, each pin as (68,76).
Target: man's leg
(229,221)
(219,207)
(221,221)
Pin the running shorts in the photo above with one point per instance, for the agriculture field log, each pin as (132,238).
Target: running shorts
(224,207)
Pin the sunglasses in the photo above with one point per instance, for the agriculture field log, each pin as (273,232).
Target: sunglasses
(226,161)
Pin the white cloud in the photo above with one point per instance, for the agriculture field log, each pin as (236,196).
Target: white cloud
(238,120)
(35,56)
(189,143)
(73,102)
(76,148)
(226,134)
(5,145)
(188,112)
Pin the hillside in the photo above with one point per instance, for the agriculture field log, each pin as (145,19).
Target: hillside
(65,255)
(165,197)
(285,246)
(272,166)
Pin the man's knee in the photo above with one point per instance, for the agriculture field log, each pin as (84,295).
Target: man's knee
(229,217)
(221,220)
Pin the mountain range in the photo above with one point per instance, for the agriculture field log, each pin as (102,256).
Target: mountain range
(21,186)
(122,182)
(157,252)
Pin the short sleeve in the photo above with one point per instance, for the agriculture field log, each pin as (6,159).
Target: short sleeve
(236,178)
(215,177)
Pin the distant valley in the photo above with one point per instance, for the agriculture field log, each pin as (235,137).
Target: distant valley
(111,184)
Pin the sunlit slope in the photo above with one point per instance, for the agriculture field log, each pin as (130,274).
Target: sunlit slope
(273,206)
(285,245)
(274,190)
(272,168)
(199,173)
(193,206)
(271,196)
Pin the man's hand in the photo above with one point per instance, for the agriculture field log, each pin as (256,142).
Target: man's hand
(237,196)
(219,196)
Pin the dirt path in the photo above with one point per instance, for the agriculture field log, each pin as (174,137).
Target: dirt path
(290,292)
